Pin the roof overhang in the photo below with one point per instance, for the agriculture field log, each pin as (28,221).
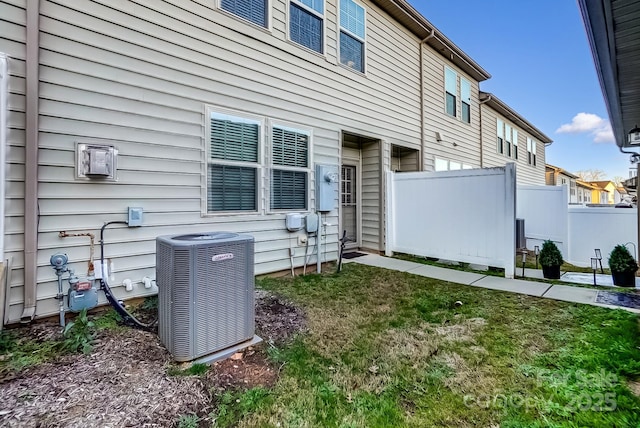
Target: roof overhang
(613,29)
(498,105)
(413,20)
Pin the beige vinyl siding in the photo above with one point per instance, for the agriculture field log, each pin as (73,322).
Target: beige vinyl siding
(459,139)
(13,43)
(525,173)
(139,75)
(371,196)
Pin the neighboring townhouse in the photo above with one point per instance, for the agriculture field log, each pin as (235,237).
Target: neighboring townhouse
(508,137)
(586,191)
(217,115)
(609,193)
(555,176)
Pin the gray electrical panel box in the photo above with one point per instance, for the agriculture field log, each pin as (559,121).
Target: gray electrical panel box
(327,181)
(96,161)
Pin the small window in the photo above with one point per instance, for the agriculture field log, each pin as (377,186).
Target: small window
(252,10)
(515,144)
(500,135)
(534,144)
(450,87)
(306,23)
(531,152)
(465,98)
(441,164)
(352,35)
(232,163)
(507,132)
(290,168)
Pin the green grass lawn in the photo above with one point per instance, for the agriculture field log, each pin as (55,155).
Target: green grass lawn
(389,349)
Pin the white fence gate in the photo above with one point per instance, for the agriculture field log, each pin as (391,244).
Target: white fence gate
(577,230)
(464,215)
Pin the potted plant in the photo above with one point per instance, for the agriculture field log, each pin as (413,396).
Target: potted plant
(550,260)
(623,267)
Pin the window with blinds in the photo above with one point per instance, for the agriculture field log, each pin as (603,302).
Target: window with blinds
(252,10)
(352,35)
(306,23)
(289,168)
(233,163)
(465,98)
(451,90)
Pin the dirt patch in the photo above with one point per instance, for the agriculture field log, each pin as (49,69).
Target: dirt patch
(124,381)
(278,320)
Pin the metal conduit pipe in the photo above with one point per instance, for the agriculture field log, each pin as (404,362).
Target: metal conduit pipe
(31,161)
(92,237)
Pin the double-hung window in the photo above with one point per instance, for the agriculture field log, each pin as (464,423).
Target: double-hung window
(500,136)
(290,149)
(306,23)
(465,98)
(233,163)
(507,139)
(451,90)
(352,35)
(515,144)
(531,151)
(255,11)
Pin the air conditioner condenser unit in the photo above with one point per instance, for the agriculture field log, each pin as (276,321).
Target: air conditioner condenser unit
(205,292)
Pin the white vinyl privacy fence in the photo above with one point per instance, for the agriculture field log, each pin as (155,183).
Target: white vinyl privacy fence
(546,215)
(577,230)
(464,215)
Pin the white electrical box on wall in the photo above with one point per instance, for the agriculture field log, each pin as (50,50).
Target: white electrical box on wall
(327,181)
(294,222)
(96,161)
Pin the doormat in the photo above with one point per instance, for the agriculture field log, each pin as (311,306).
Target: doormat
(619,299)
(353,255)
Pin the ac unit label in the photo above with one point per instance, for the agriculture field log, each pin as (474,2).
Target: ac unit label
(220,257)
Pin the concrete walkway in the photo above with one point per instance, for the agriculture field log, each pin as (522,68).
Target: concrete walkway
(565,293)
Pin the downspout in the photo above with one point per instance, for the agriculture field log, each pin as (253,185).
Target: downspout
(31,161)
(422,121)
(480,114)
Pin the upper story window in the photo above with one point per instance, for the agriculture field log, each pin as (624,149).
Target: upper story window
(306,25)
(290,149)
(465,98)
(515,144)
(531,151)
(352,35)
(233,163)
(255,11)
(507,138)
(500,136)
(451,90)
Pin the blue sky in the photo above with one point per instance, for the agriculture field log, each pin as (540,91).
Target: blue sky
(541,65)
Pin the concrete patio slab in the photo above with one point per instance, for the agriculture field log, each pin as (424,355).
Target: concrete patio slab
(513,285)
(386,262)
(444,274)
(569,293)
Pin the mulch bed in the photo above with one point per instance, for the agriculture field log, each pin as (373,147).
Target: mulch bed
(123,382)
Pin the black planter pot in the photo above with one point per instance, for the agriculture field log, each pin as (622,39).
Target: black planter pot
(551,272)
(624,279)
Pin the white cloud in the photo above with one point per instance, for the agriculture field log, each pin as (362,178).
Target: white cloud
(583,123)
